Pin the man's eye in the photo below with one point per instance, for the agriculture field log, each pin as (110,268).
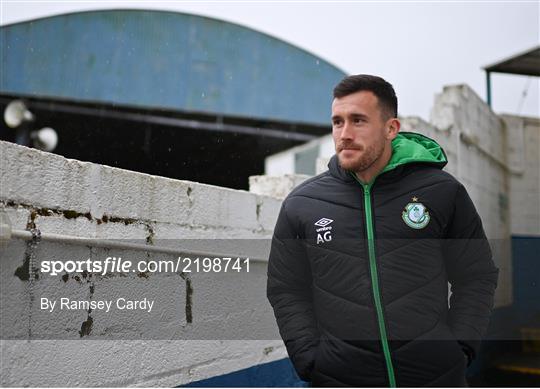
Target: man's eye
(336,122)
(359,120)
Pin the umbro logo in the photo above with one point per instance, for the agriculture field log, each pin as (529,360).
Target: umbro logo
(323,232)
(323,222)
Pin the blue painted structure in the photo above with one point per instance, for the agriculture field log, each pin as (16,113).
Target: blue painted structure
(526,279)
(278,373)
(503,335)
(166,60)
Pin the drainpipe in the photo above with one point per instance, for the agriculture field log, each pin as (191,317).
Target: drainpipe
(488,88)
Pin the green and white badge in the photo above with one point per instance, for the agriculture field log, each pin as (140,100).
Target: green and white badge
(415,215)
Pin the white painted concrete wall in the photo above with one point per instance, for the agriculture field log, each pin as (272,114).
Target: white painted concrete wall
(524,161)
(64,196)
(476,144)
(284,163)
(278,186)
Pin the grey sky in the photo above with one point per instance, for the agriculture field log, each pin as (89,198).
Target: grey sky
(418,46)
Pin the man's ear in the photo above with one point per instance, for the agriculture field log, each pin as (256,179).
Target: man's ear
(392,128)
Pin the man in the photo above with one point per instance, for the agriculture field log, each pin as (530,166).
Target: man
(362,255)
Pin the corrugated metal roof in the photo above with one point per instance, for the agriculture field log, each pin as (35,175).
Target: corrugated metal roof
(167,60)
(527,63)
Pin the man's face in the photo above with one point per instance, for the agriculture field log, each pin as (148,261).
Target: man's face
(359,130)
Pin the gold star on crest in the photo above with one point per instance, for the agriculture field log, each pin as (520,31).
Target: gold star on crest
(415,199)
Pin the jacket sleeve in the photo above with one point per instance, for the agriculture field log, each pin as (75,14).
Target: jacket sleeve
(472,274)
(289,292)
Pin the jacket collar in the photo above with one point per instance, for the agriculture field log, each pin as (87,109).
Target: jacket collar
(337,171)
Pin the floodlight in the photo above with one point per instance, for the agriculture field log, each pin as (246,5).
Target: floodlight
(45,139)
(16,113)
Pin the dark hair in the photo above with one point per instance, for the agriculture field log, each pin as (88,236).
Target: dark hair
(384,91)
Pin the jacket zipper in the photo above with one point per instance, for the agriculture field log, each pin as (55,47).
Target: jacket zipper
(375,283)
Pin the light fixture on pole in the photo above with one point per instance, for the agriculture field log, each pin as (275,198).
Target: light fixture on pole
(19,117)
(16,114)
(45,139)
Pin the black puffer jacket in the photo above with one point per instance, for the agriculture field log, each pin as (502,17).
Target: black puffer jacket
(358,274)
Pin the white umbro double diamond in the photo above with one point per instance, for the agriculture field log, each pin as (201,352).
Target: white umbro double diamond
(324,232)
(323,222)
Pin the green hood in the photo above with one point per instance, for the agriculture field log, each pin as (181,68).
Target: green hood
(410,147)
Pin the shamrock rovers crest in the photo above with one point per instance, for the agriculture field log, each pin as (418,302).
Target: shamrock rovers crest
(415,215)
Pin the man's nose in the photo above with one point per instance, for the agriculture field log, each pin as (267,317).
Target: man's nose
(347,131)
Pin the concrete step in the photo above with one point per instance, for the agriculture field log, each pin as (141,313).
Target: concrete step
(530,339)
(522,363)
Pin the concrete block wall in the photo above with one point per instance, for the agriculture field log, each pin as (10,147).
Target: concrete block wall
(290,161)
(524,162)
(275,186)
(202,325)
(478,157)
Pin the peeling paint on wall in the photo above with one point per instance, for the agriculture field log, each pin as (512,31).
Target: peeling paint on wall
(151,233)
(86,326)
(28,271)
(189,301)
(189,297)
(71,214)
